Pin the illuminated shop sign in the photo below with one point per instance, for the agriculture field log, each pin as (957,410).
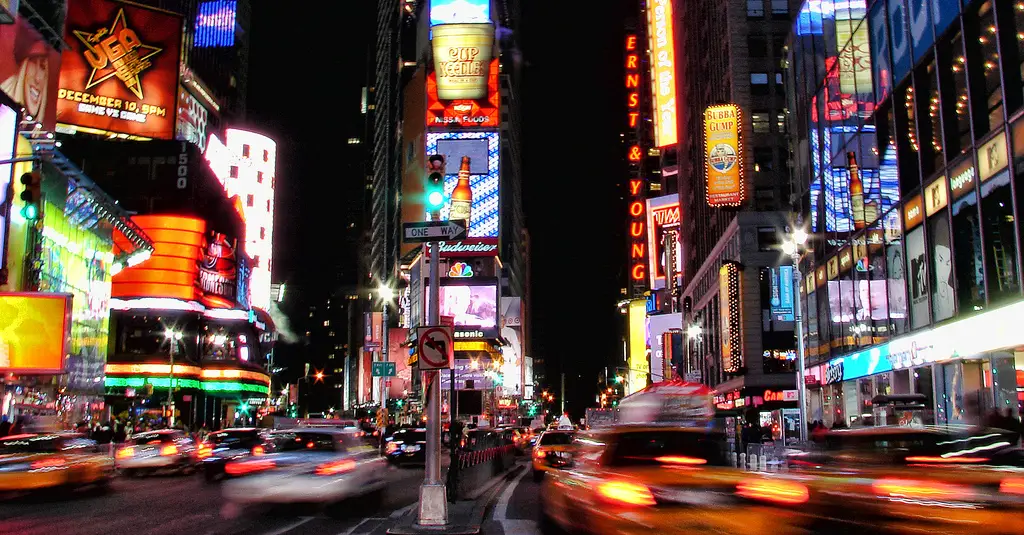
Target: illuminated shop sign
(663,70)
(723,154)
(470,247)
(730,312)
(460,270)
(637,204)
(859,364)
(632,81)
(663,216)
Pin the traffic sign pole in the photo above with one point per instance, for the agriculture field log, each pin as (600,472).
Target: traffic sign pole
(433,506)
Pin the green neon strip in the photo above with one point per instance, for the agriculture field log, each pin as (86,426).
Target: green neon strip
(162,382)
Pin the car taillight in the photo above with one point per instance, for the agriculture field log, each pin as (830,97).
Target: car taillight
(52,462)
(929,459)
(1012,485)
(773,490)
(248,467)
(169,449)
(205,450)
(626,493)
(539,453)
(391,447)
(919,490)
(258,450)
(335,467)
(124,453)
(680,459)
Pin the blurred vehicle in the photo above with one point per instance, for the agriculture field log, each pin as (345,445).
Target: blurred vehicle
(663,479)
(52,460)
(553,451)
(514,437)
(307,465)
(895,479)
(407,446)
(535,434)
(153,451)
(226,445)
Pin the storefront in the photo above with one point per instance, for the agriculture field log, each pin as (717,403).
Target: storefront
(773,409)
(966,371)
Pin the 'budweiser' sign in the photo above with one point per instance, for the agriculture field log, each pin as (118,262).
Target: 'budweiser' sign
(470,247)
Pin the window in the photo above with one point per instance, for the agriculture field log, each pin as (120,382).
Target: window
(1000,238)
(266,156)
(755,9)
(259,177)
(983,73)
(764,159)
(896,271)
(757,46)
(245,150)
(263,233)
(970,277)
(780,9)
(249,200)
(759,83)
(233,171)
(929,123)
(759,122)
(268,205)
(780,122)
(953,85)
(779,79)
(779,47)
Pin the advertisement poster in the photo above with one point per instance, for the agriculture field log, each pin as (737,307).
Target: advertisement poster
(34,332)
(462,59)
(218,272)
(943,301)
(917,278)
(663,218)
(663,71)
(782,293)
(481,112)
(723,155)
(120,70)
(29,70)
(191,120)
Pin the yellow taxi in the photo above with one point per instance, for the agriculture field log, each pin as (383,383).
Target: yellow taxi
(36,461)
(552,452)
(666,479)
(893,479)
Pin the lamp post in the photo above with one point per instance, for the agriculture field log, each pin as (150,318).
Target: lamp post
(173,337)
(792,246)
(386,294)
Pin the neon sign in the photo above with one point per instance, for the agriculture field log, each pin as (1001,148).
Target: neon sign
(637,203)
(663,70)
(460,270)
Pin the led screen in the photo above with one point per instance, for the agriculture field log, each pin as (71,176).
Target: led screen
(460,12)
(454,149)
(215,23)
(483,221)
(34,332)
(470,306)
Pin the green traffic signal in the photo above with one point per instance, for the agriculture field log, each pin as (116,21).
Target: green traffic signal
(434,186)
(618,379)
(30,212)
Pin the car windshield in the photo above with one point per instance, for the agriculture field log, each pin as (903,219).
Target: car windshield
(667,447)
(154,438)
(233,439)
(410,436)
(555,439)
(29,444)
(303,441)
(919,444)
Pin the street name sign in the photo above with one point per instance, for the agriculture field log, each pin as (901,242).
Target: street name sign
(428,231)
(383,369)
(435,347)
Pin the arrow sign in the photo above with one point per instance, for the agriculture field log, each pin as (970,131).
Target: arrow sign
(433,231)
(434,347)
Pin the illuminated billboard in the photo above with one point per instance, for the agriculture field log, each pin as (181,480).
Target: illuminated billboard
(723,155)
(191,120)
(246,165)
(8,138)
(730,306)
(472,304)
(663,217)
(460,12)
(639,366)
(218,272)
(119,72)
(29,70)
(34,332)
(484,221)
(215,23)
(462,59)
(481,112)
(173,268)
(663,72)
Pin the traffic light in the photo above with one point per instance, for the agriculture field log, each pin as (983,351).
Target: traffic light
(32,195)
(434,187)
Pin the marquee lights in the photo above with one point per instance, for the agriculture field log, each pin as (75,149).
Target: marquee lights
(730,306)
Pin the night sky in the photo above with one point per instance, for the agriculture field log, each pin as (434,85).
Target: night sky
(305,75)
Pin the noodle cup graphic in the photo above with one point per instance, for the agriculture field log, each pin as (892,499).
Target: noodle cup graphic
(462,57)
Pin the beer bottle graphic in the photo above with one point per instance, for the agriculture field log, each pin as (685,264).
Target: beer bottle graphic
(856,192)
(462,196)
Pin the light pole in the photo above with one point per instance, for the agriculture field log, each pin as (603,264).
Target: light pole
(793,246)
(173,337)
(386,294)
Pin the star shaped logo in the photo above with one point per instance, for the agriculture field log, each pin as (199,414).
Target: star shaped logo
(116,51)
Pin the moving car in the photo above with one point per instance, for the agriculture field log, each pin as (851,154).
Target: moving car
(153,451)
(226,445)
(309,465)
(553,451)
(407,446)
(664,479)
(52,460)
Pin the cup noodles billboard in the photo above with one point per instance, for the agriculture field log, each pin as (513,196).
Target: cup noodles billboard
(480,112)
(462,59)
(29,68)
(120,70)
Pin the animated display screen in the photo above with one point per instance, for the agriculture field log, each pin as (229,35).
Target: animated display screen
(484,220)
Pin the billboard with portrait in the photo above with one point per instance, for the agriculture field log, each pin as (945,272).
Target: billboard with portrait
(120,70)
(34,332)
(483,220)
(29,70)
(472,304)
(480,112)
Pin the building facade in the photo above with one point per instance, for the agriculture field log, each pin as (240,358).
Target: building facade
(909,181)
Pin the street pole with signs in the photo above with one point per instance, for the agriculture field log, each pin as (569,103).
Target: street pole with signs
(792,247)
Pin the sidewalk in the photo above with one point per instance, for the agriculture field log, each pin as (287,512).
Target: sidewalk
(465,517)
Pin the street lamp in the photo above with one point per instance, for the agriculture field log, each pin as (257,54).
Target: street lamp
(793,246)
(386,294)
(173,337)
